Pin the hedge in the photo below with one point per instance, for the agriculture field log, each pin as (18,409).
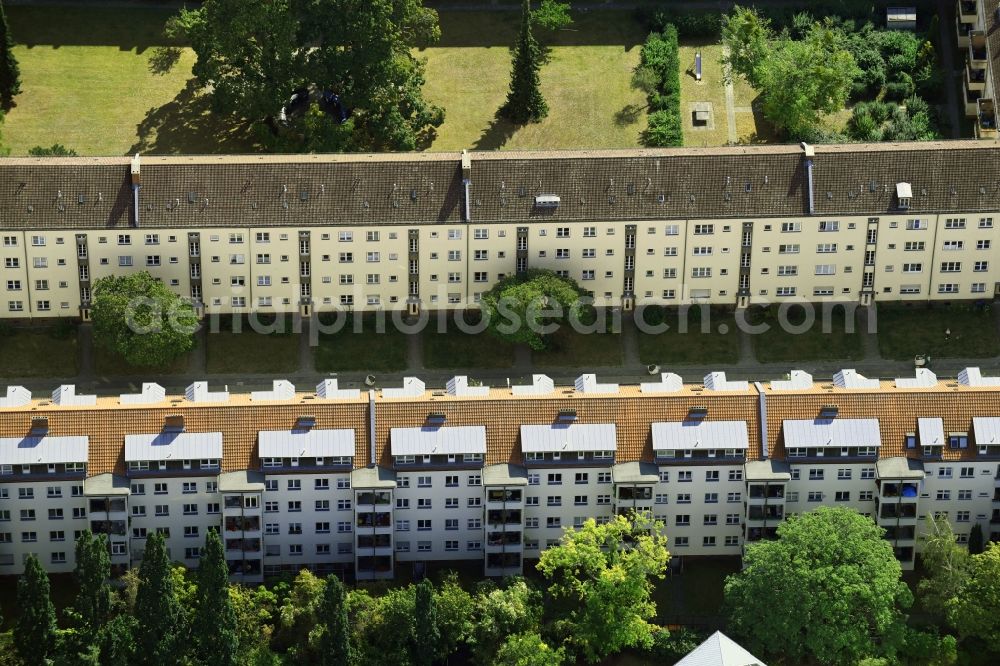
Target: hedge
(659,55)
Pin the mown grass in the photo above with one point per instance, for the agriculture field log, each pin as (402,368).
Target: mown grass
(687,341)
(369,349)
(829,338)
(449,347)
(38,352)
(904,332)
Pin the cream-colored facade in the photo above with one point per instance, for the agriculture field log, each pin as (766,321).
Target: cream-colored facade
(792,224)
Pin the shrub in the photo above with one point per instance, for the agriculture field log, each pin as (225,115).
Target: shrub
(659,56)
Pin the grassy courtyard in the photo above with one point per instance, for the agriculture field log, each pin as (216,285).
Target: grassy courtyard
(827,340)
(585,82)
(249,352)
(453,348)
(107,363)
(904,332)
(569,348)
(105,81)
(718,343)
(38,352)
(370,349)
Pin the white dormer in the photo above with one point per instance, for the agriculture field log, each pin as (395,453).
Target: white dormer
(588,384)
(328,390)
(848,378)
(669,383)
(282,389)
(798,380)
(151,394)
(198,392)
(459,386)
(924,379)
(973,377)
(17,396)
(65,396)
(903,195)
(716,381)
(412,388)
(540,385)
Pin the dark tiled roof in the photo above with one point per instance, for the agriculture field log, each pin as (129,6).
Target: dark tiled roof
(317,190)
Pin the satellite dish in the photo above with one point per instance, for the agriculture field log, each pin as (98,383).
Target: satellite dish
(652,369)
(369,380)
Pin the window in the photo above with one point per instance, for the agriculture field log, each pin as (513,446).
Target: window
(954,223)
(704,229)
(816,474)
(788,249)
(826,248)
(951,266)
(916,225)
(954,245)
(948,288)
(829,226)
(983,245)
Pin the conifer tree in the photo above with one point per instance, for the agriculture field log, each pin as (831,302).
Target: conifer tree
(426,632)
(93,568)
(10,73)
(335,645)
(35,630)
(157,609)
(976,540)
(524,101)
(214,625)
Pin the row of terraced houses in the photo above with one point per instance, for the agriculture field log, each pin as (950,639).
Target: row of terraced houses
(367,482)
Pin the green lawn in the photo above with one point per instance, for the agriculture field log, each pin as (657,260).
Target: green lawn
(586,82)
(249,352)
(720,344)
(108,363)
(567,348)
(815,344)
(695,595)
(366,351)
(88,83)
(904,332)
(454,348)
(37,352)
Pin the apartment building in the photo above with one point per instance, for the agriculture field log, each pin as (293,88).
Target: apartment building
(364,483)
(405,232)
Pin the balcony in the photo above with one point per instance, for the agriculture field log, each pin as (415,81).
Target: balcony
(373,567)
(966,11)
(995,518)
(977,48)
(975,78)
(242,524)
(761,492)
(772,513)
(986,119)
(898,511)
(374,541)
(503,517)
(374,520)
(900,533)
(372,499)
(971,100)
(962,31)
(243,545)
(908,492)
(503,496)
(508,540)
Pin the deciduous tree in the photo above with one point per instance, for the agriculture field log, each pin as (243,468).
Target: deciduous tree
(216,641)
(35,628)
(976,609)
(159,633)
(503,612)
(528,649)
(946,566)
(823,592)
(524,309)
(600,581)
(138,318)
(524,100)
(10,72)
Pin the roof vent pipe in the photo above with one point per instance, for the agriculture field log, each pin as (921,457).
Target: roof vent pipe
(136,186)
(809,153)
(762,416)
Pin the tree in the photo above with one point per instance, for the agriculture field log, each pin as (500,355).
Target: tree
(528,649)
(159,633)
(746,35)
(253,56)
(822,592)
(249,53)
(35,628)
(524,100)
(600,584)
(976,609)
(55,150)
(426,634)
(138,318)
(798,79)
(335,644)
(92,571)
(500,613)
(946,565)
(10,73)
(299,611)
(384,626)
(454,608)
(214,625)
(976,544)
(522,309)
(552,15)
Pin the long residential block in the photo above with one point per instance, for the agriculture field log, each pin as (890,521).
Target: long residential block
(405,232)
(365,482)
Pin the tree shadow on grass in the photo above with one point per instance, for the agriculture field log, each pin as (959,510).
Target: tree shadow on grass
(163,59)
(496,135)
(187,124)
(629,114)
